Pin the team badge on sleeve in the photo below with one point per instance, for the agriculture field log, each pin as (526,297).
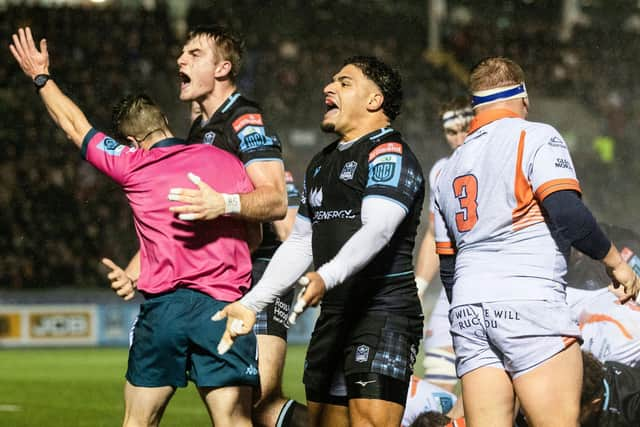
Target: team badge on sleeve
(385,170)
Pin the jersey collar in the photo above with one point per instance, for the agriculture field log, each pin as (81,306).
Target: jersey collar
(485,117)
(168,142)
(223,108)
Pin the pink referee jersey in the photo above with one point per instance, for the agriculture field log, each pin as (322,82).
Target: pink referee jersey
(488,210)
(208,256)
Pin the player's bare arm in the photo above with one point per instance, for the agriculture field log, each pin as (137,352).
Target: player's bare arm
(34,62)
(268,202)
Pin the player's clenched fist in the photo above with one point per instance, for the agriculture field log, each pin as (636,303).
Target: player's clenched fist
(624,276)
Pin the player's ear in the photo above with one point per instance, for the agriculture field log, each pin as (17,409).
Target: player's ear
(133,141)
(223,69)
(375,102)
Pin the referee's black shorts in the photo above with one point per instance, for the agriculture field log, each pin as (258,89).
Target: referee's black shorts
(367,357)
(273,319)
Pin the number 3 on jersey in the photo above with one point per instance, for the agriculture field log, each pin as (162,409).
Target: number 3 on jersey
(465,188)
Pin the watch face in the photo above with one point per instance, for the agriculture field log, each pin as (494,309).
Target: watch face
(40,80)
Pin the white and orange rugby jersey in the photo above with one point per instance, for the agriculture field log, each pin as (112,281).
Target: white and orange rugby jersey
(424,396)
(610,330)
(488,210)
(433,179)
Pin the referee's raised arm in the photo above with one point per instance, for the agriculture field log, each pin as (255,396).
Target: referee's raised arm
(34,63)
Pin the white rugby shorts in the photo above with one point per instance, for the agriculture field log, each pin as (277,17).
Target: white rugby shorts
(515,336)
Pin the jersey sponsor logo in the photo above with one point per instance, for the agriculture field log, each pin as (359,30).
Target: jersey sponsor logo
(111,146)
(254,137)
(556,142)
(364,383)
(563,163)
(209,137)
(348,171)
(246,120)
(389,147)
(329,215)
(315,197)
(385,169)
(362,354)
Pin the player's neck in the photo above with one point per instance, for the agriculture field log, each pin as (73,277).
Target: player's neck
(363,128)
(215,99)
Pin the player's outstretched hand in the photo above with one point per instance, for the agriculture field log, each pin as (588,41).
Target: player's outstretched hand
(312,292)
(24,50)
(120,281)
(203,203)
(624,277)
(240,321)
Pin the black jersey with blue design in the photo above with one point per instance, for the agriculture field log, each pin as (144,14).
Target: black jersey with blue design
(238,127)
(379,164)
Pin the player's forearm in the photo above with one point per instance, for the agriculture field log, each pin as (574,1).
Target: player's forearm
(263,204)
(613,258)
(65,112)
(428,262)
(289,262)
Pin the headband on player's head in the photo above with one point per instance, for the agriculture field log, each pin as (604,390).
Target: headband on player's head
(457,118)
(484,97)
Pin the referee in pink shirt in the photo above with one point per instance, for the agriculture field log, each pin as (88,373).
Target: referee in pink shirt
(189,269)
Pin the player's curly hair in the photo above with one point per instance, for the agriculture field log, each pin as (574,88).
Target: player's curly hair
(138,116)
(386,78)
(229,44)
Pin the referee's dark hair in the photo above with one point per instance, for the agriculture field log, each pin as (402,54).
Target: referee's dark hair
(228,43)
(137,116)
(386,78)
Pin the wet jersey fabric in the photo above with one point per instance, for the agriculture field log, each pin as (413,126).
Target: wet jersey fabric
(488,210)
(208,256)
(379,164)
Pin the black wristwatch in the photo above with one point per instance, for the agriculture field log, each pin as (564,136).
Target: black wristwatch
(40,80)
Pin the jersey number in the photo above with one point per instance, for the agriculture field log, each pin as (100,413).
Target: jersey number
(465,188)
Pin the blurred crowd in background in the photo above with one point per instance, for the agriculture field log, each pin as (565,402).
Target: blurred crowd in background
(58,216)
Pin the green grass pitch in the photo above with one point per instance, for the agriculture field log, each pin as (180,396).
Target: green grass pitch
(82,387)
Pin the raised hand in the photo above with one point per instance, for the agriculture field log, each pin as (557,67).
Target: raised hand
(24,50)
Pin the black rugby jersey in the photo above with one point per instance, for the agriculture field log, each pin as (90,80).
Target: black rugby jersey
(379,164)
(621,401)
(238,127)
